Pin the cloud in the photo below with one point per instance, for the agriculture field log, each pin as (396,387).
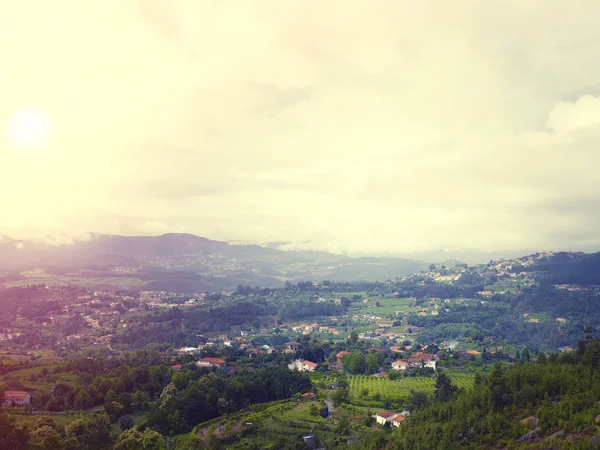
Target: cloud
(368,127)
(569,116)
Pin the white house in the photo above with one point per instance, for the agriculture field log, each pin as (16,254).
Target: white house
(16,398)
(400,365)
(303,365)
(212,362)
(385,418)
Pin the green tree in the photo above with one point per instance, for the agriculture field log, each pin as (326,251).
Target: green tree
(11,436)
(371,363)
(111,396)
(46,438)
(83,400)
(340,396)
(132,439)
(444,389)
(125,423)
(114,410)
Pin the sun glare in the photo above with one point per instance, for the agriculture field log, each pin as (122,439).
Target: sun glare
(28,129)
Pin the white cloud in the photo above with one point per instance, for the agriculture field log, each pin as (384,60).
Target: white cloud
(362,127)
(569,116)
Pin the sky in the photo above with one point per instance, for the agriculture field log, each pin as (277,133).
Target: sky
(365,127)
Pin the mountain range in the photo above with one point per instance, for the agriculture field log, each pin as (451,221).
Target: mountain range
(185,262)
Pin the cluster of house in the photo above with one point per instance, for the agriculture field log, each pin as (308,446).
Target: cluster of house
(418,360)
(314,327)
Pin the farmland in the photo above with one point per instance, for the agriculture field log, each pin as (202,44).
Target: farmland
(366,390)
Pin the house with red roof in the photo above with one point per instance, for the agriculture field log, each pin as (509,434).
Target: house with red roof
(400,364)
(343,353)
(177,367)
(396,421)
(385,418)
(16,398)
(303,365)
(212,362)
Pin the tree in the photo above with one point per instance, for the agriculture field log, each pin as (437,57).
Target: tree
(314,410)
(371,363)
(343,426)
(10,435)
(114,410)
(83,400)
(125,423)
(444,389)
(418,399)
(111,396)
(46,438)
(132,439)
(354,337)
(340,396)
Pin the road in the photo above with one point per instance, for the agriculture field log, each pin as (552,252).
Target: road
(329,408)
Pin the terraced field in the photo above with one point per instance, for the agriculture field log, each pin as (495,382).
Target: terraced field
(384,388)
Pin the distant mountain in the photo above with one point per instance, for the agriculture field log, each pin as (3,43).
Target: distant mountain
(192,263)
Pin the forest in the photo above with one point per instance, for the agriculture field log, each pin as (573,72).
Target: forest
(525,406)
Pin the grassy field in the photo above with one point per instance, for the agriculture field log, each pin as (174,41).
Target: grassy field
(378,389)
(40,276)
(386,306)
(28,378)
(274,425)
(60,419)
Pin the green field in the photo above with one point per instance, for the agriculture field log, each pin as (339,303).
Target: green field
(28,378)
(40,276)
(383,388)
(386,306)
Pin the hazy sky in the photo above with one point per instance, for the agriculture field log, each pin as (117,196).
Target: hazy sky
(362,126)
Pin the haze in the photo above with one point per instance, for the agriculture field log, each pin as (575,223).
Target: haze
(362,127)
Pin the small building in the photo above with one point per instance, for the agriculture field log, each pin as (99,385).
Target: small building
(212,362)
(16,398)
(400,365)
(396,421)
(303,365)
(343,353)
(177,367)
(385,418)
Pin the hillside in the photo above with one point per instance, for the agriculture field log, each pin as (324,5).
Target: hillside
(188,263)
(552,403)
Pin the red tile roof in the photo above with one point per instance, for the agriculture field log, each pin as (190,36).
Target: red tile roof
(309,363)
(386,414)
(342,353)
(15,395)
(399,418)
(176,367)
(213,361)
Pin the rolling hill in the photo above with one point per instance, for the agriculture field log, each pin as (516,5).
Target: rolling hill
(188,263)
